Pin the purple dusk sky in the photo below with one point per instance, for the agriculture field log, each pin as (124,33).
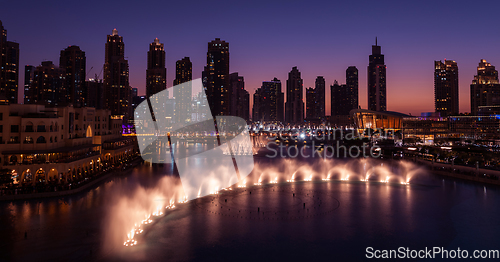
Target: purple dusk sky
(267,38)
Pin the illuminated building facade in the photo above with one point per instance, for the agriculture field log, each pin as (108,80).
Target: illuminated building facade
(311,104)
(485,88)
(156,73)
(240,101)
(427,129)
(319,90)
(377,99)
(182,95)
(216,77)
(9,67)
(60,144)
(475,127)
(117,90)
(45,85)
(29,77)
(352,87)
(93,92)
(368,119)
(73,62)
(268,102)
(446,87)
(294,106)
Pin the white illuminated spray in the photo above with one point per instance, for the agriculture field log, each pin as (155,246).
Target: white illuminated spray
(220,171)
(131,215)
(226,162)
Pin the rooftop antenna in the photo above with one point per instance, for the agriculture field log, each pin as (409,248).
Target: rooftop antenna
(376,41)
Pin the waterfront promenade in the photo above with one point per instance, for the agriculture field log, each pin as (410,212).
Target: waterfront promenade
(81,187)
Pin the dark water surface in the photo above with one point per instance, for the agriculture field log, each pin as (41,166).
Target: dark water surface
(339,221)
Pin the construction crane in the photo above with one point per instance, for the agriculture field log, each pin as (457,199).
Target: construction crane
(100,72)
(96,75)
(88,72)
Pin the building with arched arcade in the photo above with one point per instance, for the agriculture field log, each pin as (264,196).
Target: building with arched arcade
(59,144)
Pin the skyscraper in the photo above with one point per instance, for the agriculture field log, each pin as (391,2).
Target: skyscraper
(311,104)
(344,98)
(73,62)
(485,88)
(240,100)
(268,102)
(182,95)
(183,71)
(216,77)
(93,93)
(320,97)
(294,106)
(351,78)
(29,77)
(9,67)
(156,73)
(280,101)
(257,114)
(136,99)
(338,99)
(377,100)
(48,82)
(116,77)
(446,87)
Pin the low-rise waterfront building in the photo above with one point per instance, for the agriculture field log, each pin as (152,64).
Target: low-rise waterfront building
(60,144)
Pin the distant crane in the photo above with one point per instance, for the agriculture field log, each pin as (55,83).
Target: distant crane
(88,72)
(96,75)
(100,72)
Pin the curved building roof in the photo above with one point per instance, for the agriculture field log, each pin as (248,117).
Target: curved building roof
(387,113)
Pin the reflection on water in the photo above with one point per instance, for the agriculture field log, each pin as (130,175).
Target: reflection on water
(339,218)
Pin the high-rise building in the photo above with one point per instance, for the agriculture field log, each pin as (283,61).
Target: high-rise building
(48,82)
(280,101)
(29,77)
(351,78)
(311,104)
(320,98)
(257,113)
(183,71)
(9,67)
(485,88)
(240,100)
(268,102)
(338,99)
(116,77)
(344,98)
(136,99)
(73,62)
(183,95)
(446,87)
(156,73)
(294,106)
(377,100)
(93,93)
(216,77)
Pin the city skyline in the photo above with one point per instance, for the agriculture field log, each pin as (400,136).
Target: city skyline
(249,130)
(317,96)
(410,47)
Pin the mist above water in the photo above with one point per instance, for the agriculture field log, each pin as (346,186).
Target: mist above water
(132,211)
